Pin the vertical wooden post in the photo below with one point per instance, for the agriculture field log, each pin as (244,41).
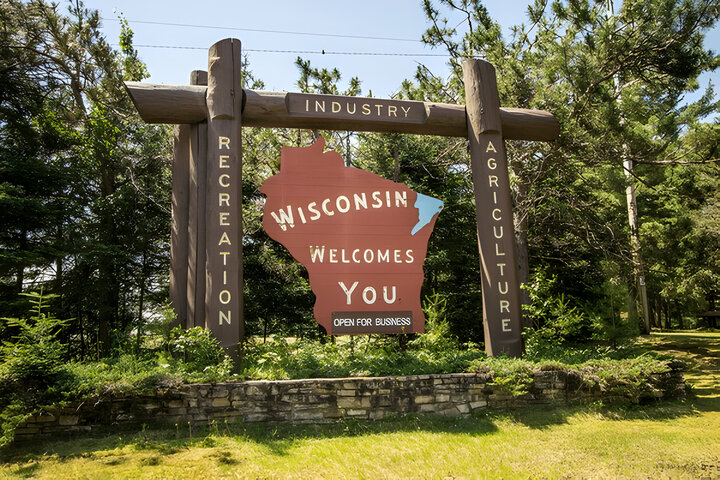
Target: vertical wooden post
(223,241)
(498,252)
(196,218)
(179,232)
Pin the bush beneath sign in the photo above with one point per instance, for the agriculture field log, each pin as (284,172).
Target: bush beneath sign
(435,351)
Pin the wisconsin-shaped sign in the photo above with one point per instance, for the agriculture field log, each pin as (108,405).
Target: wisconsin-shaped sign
(362,238)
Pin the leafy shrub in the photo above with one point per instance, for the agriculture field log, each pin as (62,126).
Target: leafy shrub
(568,329)
(513,374)
(123,374)
(12,414)
(434,351)
(30,363)
(631,377)
(33,354)
(280,359)
(34,374)
(437,336)
(196,347)
(558,320)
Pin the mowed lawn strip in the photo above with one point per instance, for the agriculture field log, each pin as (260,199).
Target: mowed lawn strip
(663,440)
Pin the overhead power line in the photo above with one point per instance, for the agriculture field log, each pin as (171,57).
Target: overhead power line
(284,32)
(315,52)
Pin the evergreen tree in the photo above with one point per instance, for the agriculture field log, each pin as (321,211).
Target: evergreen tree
(616,82)
(109,173)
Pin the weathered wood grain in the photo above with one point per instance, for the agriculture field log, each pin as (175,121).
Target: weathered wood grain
(186,104)
(196,226)
(223,209)
(493,208)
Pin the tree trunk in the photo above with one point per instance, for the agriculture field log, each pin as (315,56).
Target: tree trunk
(654,323)
(637,263)
(523,269)
(108,285)
(20,273)
(632,303)
(59,282)
(141,300)
(82,336)
(681,321)
(20,278)
(396,161)
(520,222)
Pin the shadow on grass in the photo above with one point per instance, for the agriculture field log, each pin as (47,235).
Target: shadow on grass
(276,438)
(28,471)
(701,351)
(656,411)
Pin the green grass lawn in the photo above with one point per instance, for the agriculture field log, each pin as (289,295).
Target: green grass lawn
(664,440)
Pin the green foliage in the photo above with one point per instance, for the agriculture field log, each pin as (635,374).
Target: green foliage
(32,354)
(196,355)
(123,374)
(514,375)
(634,377)
(130,373)
(31,362)
(84,184)
(437,337)
(435,351)
(557,321)
(629,377)
(34,371)
(577,354)
(197,347)
(281,359)
(13,413)
(567,328)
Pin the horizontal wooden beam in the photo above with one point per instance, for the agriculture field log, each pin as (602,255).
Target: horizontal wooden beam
(176,104)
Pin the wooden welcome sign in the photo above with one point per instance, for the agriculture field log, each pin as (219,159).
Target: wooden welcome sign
(362,238)
(206,243)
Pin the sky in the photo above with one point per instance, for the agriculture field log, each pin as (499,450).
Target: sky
(387,26)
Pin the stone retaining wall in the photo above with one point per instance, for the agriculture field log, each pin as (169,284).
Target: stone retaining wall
(329,400)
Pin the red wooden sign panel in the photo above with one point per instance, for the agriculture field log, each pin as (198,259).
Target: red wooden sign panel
(362,238)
